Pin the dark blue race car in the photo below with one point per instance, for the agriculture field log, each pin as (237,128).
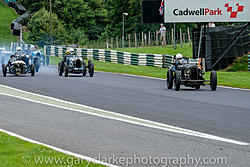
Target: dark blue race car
(38,59)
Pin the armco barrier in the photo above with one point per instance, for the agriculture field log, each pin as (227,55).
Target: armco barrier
(153,60)
(142,59)
(248,62)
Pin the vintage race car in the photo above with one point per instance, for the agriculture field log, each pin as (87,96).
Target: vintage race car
(75,64)
(18,64)
(189,75)
(38,59)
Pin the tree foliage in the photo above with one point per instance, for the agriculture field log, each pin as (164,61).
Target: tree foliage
(92,20)
(40,28)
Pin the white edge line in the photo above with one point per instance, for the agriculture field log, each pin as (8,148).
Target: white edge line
(166,128)
(227,87)
(88,159)
(139,76)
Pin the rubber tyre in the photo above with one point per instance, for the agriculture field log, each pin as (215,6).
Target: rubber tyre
(170,79)
(60,69)
(66,69)
(91,68)
(32,69)
(4,70)
(47,60)
(84,70)
(213,80)
(177,81)
(37,66)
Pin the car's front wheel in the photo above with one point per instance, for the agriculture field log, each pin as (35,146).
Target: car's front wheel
(4,70)
(170,79)
(32,69)
(84,69)
(47,60)
(213,80)
(60,69)
(66,69)
(177,81)
(37,65)
(91,68)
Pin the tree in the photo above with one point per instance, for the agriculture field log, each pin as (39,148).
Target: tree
(95,19)
(79,37)
(39,28)
(88,15)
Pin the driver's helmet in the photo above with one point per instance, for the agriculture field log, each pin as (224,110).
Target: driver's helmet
(70,51)
(67,52)
(19,49)
(32,48)
(179,57)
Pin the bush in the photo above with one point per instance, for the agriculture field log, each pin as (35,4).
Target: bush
(240,64)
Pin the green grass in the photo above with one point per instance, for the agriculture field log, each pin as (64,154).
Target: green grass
(168,50)
(120,68)
(232,79)
(7,15)
(15,152)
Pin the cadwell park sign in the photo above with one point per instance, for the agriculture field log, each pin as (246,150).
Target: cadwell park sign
(206,11)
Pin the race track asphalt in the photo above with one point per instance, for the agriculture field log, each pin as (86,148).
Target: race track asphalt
(224,113)
(104,139)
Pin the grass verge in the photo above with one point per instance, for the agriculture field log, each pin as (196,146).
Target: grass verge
(16,152)
(232,79)
(7,15)
(168,50)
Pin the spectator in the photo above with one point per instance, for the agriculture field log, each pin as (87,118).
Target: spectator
(163,35)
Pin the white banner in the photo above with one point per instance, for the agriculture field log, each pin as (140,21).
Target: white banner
(206,11)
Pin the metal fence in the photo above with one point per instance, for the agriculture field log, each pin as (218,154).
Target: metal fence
(147,39)
(218,48)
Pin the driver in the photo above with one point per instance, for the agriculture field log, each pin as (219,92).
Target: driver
(32,48)
(18,51)
(68,52)
(178,58)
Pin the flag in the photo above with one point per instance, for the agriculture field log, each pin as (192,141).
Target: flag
(161,10)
